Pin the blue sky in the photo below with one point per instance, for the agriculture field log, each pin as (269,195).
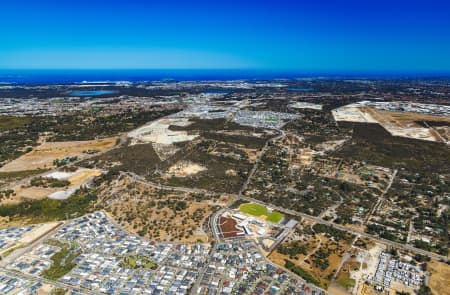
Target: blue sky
(310,36)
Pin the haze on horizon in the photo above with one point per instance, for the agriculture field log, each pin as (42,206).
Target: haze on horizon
(320,36)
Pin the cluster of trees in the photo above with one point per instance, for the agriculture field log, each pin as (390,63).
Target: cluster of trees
(6,194)
(318,126)
(49,182)
(15,137)
(385,233)
(62,263)
(292,249)
(320,258)
(86,126)
(48,209)
(335,233)
(62,162)
(301,272)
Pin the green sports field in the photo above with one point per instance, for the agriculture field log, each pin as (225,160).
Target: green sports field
(275,217)
(253,209)
(260,210)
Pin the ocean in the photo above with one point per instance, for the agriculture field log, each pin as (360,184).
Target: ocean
(78,76)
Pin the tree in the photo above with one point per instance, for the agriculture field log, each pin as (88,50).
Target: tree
(424,290)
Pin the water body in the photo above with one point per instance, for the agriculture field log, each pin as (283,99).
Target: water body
(23,76)
(91,93)
(300,89)
(77,76)
(217,91)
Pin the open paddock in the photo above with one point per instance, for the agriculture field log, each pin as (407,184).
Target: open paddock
(43,156)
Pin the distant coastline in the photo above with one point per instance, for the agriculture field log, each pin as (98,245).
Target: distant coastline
(35,76)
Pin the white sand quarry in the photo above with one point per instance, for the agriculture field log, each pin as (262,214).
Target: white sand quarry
(161,137)
(77,179)
(352,114)
(306,105)
(62,195)
(159,132)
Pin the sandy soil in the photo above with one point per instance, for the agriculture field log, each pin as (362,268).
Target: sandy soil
(159,132)
(242,132)
(231,172)
(352,114)
(407,119)
(440,277)
(37,232)
(305,157)
(313,244)
(45,289)
(184,169)
(83,175)
(306,105)
(161,137)
(252,154)
(401,124)
(370,260)
(331,145)
(29,237)
(335,289)
(35,193)
(444,132)
(43,155)
(77,179)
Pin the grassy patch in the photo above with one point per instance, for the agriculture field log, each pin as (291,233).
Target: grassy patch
(59,291)
(21,174)
(10,250)
(138,261)
(49,182)
(346,282)
(275,217)
(301,272)
(10,122)
(62,263)
(253,209)
(260,210)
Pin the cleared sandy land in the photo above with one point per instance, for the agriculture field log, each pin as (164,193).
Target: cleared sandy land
(76,179)
(43,156)
(306,105)
(352,114)
(185,168)
(440,277)
(402,124)
(37,232)
(335,289)
(161,137)
(45,289)
(159,132)
(81,176)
